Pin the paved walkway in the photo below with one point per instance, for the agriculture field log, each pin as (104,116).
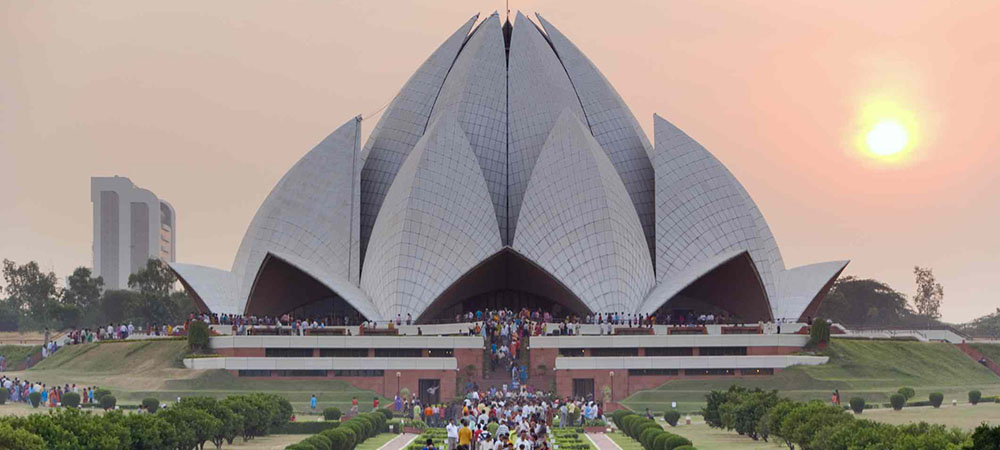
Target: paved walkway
(399,442)
(602,441)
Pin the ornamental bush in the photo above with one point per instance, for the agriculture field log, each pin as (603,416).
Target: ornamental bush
(350,439)
(647,437)
(69,399)
(907,392)
(331,413)
(320,442)
(99,394)
(197,336)
(3,396)
(672,417)
(661,440)
(897,401)
(819,333)
(675,441)
(974,397)
(385,412)
(35,398)
(150,404)
(857,405)
(108,402)
(936,398)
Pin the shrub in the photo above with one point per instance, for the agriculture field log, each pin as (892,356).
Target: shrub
(108,402)
(857,405)
(17,438)
(647,437)
(197,336)
(308,427)
(150,404)
(685,447)
(907,392)
(672,417)
(35,398)
(675,441)
(897,401)
(985,437)
(301,446)
(338,439)
(320,442)
(99,394)
(350,439)
(69,399)
(974,397)
(3,396)
(819,333)
(661,440)
(936,398)
(385,412)
(331,413)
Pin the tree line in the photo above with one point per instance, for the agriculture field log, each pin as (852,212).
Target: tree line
(32,299)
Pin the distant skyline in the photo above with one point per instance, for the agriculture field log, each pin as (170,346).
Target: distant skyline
(208,104)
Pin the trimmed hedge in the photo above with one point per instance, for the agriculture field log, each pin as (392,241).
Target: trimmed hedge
(150,404)
(69,399)
(857,405)
(108,402)
(675,441)
(974,397)
(907,392)
(35,398)
(331,413)
(936,398)
(672,417)
(311,427)
(897,401)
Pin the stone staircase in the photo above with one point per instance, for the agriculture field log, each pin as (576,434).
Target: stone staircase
(979,357)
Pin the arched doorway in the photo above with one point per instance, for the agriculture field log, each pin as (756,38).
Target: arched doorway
(505,280)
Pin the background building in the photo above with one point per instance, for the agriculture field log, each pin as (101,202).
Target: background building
(131,226)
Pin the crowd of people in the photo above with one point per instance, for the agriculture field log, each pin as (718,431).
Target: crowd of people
(51,396)
(522,419)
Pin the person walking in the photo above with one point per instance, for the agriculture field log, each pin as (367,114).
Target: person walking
(464,436)
(312,402)
(452,432)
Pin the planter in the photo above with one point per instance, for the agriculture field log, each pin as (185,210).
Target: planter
(595,429)
(412,430)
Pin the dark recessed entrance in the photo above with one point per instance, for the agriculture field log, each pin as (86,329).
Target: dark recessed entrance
(282,288)
(505,280)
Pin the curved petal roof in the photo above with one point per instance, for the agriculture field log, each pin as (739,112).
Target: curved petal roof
(538,91)
(475,92)
(310,213)
(800,289)
(578,223)
(212,289)
(401,125)
(509,142)
(614,127)
(702,210)
(437,223)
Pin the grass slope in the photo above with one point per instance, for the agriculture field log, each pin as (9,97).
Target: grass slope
(869,369)
(140,369)
(16,354)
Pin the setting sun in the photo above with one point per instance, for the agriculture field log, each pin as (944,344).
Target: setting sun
(887,132)
(887,137)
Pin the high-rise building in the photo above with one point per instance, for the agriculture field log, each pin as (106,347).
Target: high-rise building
(131,226)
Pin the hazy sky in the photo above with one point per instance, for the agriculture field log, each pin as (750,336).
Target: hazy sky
(207,104)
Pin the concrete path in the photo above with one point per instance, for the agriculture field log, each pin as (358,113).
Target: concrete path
(399,442)
(602,441)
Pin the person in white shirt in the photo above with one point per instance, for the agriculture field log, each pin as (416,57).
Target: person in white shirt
(452,434)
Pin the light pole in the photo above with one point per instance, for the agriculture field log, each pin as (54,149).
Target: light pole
(397,383)
(612,373)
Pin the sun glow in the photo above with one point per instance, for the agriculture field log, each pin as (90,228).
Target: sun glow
(887,132)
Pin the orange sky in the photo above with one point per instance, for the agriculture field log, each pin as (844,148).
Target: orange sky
(208,103)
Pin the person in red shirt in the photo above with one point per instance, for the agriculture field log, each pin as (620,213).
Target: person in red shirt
(375,404)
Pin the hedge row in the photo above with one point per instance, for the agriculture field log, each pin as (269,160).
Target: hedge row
(347,435)
(648,433)
(185,425)
(763,415)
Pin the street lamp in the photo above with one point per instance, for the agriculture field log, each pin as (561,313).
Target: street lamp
(612,373)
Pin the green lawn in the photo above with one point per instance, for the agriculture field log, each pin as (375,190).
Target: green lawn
(625,442)
(376,442)
(16,354)
(140,369)
(869,369)
(964,415)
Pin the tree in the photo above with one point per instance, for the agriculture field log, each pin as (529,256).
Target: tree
(83,290)
(155,279)
(929,293)
(860,302)
(30,290)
